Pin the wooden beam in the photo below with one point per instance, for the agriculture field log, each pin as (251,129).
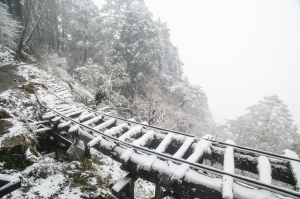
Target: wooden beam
(8,186)
(264,169)
(125,187)
(227,183)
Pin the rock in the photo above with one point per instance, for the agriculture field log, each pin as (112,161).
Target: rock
(4,126)
(4,114)
(76,150)
(12,142)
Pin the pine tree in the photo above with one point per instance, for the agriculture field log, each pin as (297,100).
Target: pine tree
(268,126)
(9,32)
(138,46)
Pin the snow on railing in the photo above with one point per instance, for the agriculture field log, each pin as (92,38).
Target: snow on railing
(131,132)
(227,182)
(295,166)
(184,147)
(165,143)
(264,169)
(105,124)
(142,141)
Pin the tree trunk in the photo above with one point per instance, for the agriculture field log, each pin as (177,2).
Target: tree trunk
(63,38)
(36,24)
(18,10)
(85,38)
(39,34)
(63,26)
(9,7)
(84,56)
(22,37)
(52,38)
(56,25)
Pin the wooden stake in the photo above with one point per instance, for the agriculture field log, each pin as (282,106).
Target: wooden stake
(158,191)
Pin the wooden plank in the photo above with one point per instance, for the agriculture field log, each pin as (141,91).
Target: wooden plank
(105,124)
(201,147)
(264,169)
(43,129)
(142,141)
(165,143)
(40,122)
(184,147)
(125,187)
(8,186)
(294,167)
(227,181)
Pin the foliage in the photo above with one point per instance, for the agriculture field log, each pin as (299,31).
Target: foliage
(50,60)
(81,97)
(169,112)
(108,81)
(268,126)
(29,87)
(81,29)
(14,155)
(121,53)
(142,43)
(14,161)
(44,168)
(9,28)
(7,56)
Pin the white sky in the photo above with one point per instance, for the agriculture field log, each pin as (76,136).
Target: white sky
(237,50)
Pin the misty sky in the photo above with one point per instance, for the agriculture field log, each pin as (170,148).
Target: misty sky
(238,51)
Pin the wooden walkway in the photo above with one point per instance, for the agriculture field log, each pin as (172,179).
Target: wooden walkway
(185,165)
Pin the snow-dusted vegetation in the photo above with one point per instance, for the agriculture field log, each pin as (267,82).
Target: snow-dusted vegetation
(52,175)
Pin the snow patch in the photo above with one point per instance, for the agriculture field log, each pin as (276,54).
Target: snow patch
(264,169)
(184,147)
(104,125)
(127,154)
(203,146)
(117,130)
(131,132)
(227,181)
(295,166)
(142,141)
(165,143)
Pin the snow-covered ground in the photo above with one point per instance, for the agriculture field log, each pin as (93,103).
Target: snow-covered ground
(48,177)
(7,56)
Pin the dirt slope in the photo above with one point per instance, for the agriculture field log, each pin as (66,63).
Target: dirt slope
(7,77)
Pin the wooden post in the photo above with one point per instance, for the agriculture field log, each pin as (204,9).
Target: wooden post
(158,191)
(130,191)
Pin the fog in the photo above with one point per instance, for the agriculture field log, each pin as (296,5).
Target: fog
(237,51)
